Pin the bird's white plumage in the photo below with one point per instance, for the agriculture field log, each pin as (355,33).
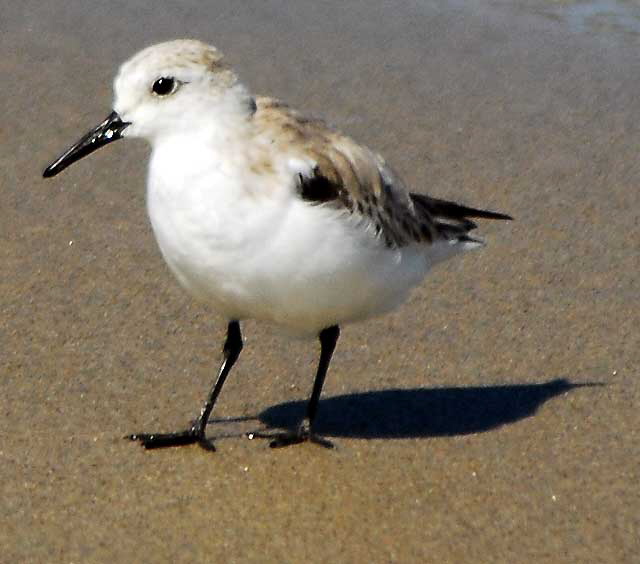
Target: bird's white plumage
(224,202)
(266,254)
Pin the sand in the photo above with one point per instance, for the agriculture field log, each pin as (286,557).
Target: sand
(464,428)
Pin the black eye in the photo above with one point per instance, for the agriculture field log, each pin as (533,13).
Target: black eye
(164,85)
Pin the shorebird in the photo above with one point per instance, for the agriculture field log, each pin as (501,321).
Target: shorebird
(268,214)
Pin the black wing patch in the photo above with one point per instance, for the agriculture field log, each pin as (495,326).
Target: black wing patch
(318,188)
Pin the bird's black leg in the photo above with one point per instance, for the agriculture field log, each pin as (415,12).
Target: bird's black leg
(196,432)
(304,432)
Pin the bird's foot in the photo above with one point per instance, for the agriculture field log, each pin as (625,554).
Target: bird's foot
(190,436)
(302,434)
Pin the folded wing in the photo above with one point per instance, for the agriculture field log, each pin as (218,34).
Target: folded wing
(336,171)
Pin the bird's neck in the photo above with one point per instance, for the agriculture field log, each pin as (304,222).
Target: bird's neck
(220,122)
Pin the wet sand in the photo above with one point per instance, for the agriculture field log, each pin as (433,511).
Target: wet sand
(464,430)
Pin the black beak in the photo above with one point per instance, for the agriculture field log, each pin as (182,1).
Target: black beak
(109,130)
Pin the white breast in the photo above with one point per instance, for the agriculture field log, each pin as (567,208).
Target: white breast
(265,254)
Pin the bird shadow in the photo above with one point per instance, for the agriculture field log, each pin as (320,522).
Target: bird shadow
(421,412)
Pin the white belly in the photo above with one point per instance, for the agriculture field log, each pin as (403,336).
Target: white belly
(300,266)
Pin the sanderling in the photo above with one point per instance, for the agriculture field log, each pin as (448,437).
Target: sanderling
(267,214)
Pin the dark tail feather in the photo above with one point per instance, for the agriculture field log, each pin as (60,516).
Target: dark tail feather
(444,209)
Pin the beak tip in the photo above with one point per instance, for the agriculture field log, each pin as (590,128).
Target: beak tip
(109,130)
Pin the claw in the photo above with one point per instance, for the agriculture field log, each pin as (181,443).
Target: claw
(286,438)
(181,438)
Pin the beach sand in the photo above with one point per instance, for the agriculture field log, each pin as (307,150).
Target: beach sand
(464,428)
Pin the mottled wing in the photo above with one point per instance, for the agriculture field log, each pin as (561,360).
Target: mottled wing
(336,171)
